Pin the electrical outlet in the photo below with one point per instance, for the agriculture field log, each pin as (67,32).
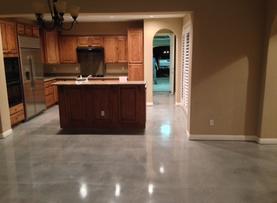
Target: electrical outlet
(103,113)
(76,68)
(211,122)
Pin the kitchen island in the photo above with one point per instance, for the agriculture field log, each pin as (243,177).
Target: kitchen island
(102,104)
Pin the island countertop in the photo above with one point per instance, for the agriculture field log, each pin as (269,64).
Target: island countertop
(98,82)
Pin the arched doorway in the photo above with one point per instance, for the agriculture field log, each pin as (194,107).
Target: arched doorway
(164,62)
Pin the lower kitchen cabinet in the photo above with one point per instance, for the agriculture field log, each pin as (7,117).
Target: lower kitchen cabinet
(135,72)
(102,106)
(17,114)
(50,92)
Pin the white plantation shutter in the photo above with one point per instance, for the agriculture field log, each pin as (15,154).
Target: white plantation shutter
(186,69)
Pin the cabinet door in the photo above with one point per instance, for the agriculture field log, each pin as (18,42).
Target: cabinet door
(35,31)
(4,38)
(96,41)
(11,37)
(110,46)
(68,45)
(122,49)
(56,96)
(132,107)
(29,30)
(51,49)
(102,106)
(83,41)
(20,29)
(135,72)
(135,45)
(73,117)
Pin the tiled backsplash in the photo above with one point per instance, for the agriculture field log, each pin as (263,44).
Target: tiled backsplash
(74,69)
(62,69)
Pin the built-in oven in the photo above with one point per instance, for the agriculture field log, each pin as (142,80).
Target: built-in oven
(13,79)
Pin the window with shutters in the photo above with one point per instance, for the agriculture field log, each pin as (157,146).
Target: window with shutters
(186,70)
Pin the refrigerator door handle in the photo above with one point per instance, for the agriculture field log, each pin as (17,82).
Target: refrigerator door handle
(31,71)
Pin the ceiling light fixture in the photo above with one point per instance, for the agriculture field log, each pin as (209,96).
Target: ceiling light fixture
(57,10)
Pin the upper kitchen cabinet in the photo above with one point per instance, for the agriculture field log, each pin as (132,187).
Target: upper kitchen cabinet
(135,45)
(90,41)
(27,30)
(110,47)
(51,48)
(68,45)
(9,38)
(122,49)
(116,49)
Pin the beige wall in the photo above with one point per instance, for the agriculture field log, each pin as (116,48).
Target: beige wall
(5,123)
(268,127)
(151,27)
(227,52)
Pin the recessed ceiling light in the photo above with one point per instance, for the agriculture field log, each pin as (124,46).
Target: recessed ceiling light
(151,16)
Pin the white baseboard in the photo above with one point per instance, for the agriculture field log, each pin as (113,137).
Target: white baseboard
(267,141)
(223,137)
(253,138)
(149,104)
(6,133)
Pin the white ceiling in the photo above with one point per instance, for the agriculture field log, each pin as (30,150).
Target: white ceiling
(109,17)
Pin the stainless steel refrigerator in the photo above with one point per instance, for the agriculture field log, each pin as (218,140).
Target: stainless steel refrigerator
(32,75)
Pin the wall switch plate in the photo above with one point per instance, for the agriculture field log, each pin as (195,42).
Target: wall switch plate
(102,113)
(211,122)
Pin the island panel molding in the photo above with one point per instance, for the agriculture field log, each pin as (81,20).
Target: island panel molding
(107,105)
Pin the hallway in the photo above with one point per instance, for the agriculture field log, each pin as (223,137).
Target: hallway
(41,164)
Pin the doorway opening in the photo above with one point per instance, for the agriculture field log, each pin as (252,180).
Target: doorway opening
(164,62)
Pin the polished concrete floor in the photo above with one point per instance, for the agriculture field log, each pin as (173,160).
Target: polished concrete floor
(41,164)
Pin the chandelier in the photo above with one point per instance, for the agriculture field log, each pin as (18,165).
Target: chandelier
(57,10)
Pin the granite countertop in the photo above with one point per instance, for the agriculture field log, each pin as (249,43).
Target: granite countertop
(59,78)
(46,79)
(99,82)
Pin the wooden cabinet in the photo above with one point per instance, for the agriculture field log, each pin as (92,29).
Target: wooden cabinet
(90,41)
(35,30)
(110,47)
(50,93)
(20,29)
(51,48)
(4,38)
(135,55)
(135,46)
(9,38)
(17,114)
(122,49)
(102,106)
(135,72)
(68,45)
(115,49)
(27,30)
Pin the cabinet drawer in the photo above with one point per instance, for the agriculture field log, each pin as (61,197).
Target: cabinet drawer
(16,109)
(17,117)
